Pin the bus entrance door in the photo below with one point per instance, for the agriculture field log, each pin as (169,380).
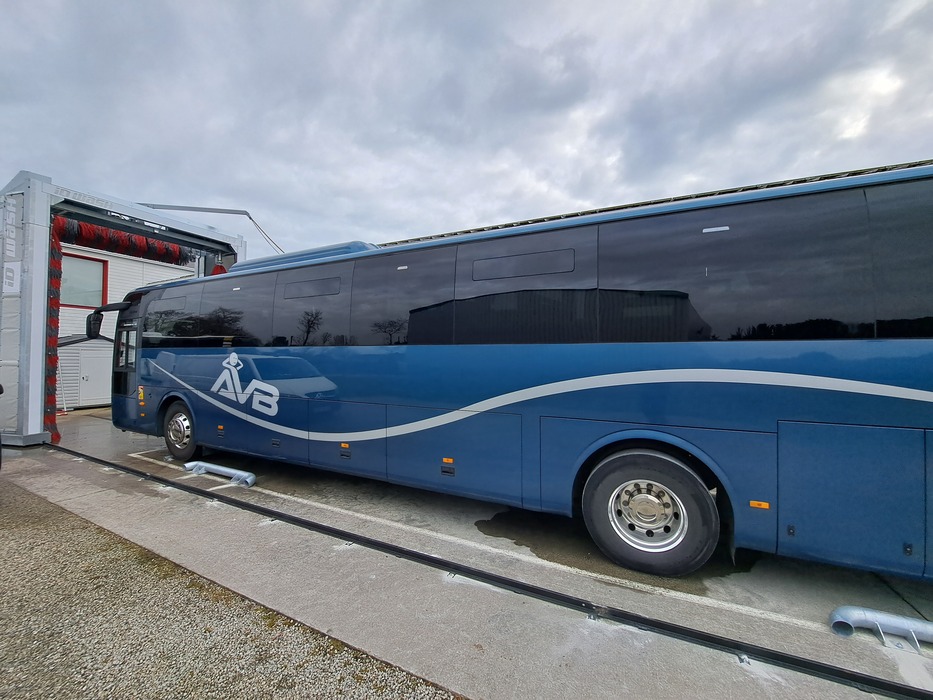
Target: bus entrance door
(124,388)
(124,366)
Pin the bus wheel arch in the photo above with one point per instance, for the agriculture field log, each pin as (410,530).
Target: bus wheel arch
(178,429)
(652,506)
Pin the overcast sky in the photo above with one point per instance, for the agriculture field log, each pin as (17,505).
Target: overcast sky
(382,120)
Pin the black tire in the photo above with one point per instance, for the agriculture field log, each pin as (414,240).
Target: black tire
(178,430)
(648,511)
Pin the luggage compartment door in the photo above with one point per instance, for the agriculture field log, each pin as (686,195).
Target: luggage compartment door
(852,495)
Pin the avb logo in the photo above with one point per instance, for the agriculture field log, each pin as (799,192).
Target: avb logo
(265,396)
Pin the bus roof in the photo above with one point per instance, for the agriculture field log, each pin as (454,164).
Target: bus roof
(772,190)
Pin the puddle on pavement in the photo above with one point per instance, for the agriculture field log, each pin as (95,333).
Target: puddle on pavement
(550,537)
(565,541)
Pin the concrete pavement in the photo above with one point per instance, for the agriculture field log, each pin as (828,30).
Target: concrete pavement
(464,636)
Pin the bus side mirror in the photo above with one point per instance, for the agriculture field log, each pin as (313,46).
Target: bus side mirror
(92,324)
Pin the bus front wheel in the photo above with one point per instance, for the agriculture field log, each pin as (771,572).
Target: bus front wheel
(178,429)
(648,511)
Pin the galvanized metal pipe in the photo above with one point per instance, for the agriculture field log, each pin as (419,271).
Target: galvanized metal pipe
(238,476)
(846,618)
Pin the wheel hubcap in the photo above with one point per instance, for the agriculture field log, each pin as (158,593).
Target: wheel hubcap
(179,430)
(647,516)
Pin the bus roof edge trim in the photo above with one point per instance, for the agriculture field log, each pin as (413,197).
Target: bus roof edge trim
(710,195)
(328,251)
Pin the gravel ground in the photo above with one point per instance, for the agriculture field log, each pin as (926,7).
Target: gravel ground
(86,614)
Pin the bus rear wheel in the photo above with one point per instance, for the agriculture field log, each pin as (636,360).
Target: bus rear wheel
(648,511)
(178,429)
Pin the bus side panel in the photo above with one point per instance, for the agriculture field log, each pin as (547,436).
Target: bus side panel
(745,462)
(340,452)
(479,454)
(124,411)
(229,432)
(852,495)
(928,569)
(288,447)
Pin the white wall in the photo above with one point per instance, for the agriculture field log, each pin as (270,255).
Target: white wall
(91,359)
(124,275)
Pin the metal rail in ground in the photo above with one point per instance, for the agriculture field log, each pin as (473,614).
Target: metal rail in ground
(835,674)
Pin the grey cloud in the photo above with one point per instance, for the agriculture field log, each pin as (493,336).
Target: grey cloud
(382,120)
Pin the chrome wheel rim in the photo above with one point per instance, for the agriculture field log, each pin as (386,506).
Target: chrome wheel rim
(647,515)
(179,431)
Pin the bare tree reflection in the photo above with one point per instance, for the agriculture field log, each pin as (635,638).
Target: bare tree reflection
(391,329)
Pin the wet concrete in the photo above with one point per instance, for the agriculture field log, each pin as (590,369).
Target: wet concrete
(566,541)
(552,538)
(768,600)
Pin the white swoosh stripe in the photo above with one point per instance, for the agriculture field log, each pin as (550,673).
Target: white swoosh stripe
(269,425)
(659,376)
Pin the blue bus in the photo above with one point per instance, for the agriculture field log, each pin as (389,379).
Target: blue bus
(753,364)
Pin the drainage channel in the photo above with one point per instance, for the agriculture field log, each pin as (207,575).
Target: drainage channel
(738,648)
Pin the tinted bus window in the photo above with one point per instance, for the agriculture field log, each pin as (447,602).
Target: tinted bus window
(537,288)
(902,228)
(404,298)
(546,263)
(312,306)
(235,311)
(789,269)
(171,320)
(305,289)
